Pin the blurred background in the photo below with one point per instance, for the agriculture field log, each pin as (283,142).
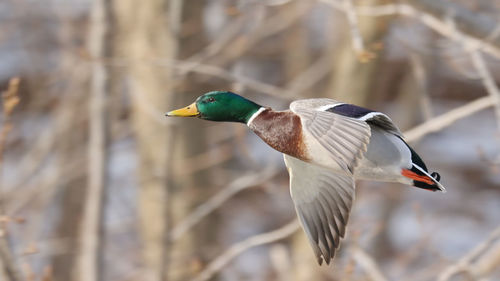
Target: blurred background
(97,184)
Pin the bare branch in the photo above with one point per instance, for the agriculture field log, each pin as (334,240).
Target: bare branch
(235,250)
(464,264)
(427,19)
(448,118)
(224,74)
(482,70)
(281,261)
(147,107)
(488,262)
(357,40)
(309,77)
(472,23)
(225,37)
(209,158)
(241,183)
(7,261)
(421,79)
(487,80)
(10,100)
(367,263)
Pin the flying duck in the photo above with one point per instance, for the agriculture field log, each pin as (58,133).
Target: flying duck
(326,145)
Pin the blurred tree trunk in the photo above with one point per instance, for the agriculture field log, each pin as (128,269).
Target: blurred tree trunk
(90,260)
(297,53)
(71,129)
(193,179)
(69,204)
(354,81)
(149,33)
(144,33)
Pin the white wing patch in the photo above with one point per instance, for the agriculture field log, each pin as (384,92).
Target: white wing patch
(328,106)
(383,121)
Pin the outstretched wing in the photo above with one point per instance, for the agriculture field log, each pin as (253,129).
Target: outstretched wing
(322,201)
(345,138)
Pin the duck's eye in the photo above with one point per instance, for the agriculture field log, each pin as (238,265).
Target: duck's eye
(211,99)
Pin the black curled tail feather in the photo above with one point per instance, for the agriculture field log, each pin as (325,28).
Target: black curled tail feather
(423,179)
(426,181)
(436,176)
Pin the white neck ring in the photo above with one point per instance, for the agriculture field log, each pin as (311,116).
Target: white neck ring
(255,115)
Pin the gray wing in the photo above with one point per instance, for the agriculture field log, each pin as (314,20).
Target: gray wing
(322,201)
(345,138)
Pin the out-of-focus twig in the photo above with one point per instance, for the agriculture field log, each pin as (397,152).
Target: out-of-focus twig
(282,20)
(489,261)
(357,40)
(442,121)
(10,100)
(465,263)
(481,68)
(368,264)
(224,37)
(281,261)
(224,74)
(487,80)
(45,187)
(427,19)
(240,247)
(206,69)
(308,78)
(206,159)
(241,183)
(33,159)
(150,109)
(234,43)
(421,79)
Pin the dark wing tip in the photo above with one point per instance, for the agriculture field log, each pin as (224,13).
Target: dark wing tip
(327,259)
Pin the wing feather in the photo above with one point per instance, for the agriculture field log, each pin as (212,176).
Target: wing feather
(345,138)
(322,200)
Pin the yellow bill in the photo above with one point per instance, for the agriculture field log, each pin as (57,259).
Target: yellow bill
(188,111)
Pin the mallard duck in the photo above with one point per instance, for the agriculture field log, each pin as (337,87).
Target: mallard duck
(326,145)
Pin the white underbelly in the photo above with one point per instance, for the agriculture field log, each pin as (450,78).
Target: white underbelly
(386,155)
(367,170)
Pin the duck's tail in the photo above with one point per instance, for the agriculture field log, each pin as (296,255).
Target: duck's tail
(422,179)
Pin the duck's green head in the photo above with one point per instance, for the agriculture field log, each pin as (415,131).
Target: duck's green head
(219,106)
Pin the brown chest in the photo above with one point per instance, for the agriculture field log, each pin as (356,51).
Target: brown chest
(282,130)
